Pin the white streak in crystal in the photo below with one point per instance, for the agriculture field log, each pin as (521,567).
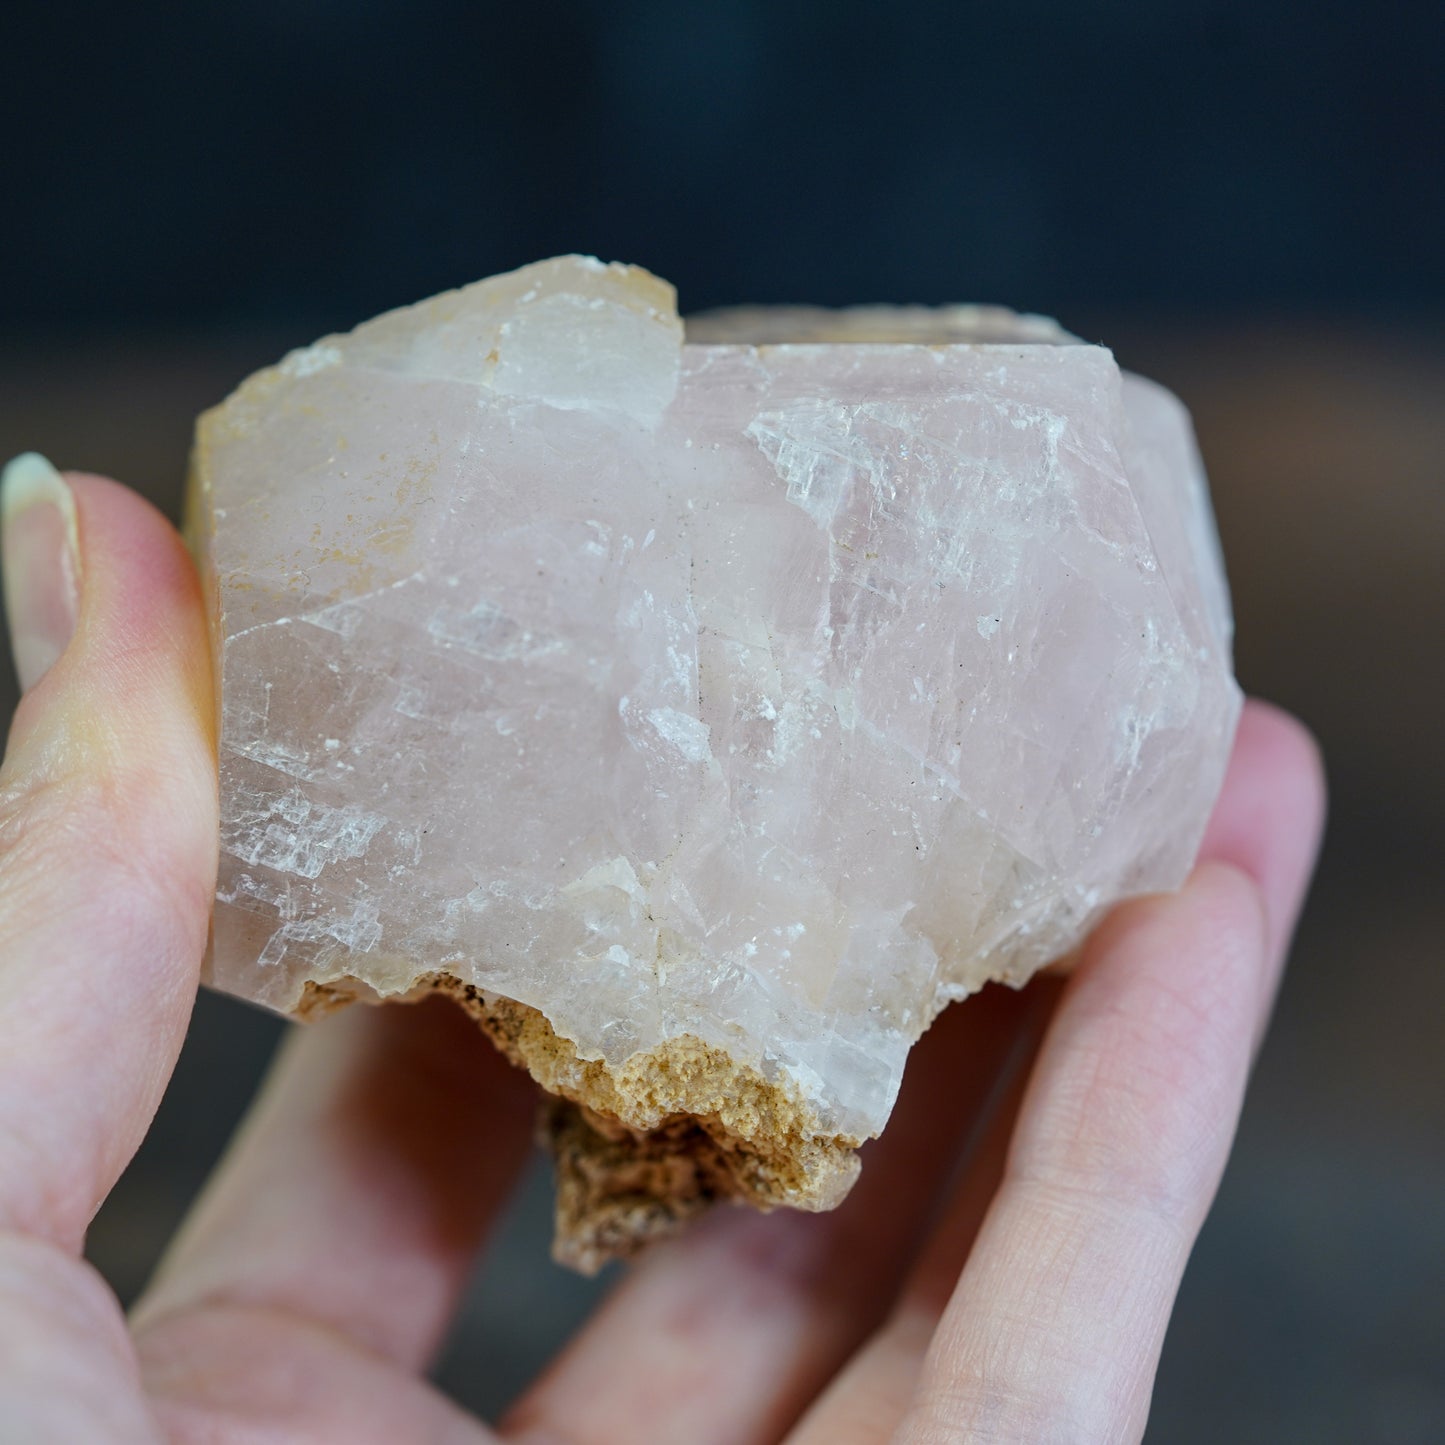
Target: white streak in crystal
(689,735)
(486,631)
(280,757)
(292,833)
(344,617)
(259,627)
(816,476)
(358,932)
(616,873)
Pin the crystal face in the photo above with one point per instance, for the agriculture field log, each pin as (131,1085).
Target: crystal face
(703,716)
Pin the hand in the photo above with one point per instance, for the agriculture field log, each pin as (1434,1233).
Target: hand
(1004,1271)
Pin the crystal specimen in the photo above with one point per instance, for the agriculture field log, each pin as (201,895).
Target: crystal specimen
(704,717)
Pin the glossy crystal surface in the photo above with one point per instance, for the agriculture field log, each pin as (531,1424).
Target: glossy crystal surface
(767,695)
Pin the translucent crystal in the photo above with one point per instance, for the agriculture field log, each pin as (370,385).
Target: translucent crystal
(703,716)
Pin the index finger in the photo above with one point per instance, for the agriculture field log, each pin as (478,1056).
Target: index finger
(107,844)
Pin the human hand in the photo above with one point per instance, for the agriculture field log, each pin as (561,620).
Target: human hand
(1004,1271)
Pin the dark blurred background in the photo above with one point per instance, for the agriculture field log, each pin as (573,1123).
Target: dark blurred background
(1244,199)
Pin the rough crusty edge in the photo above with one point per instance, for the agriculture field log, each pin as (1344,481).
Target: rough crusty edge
(641,1149)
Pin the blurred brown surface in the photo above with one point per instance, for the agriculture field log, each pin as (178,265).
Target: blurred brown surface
(1314,1309)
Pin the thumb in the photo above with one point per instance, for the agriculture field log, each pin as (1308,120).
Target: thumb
(107,836)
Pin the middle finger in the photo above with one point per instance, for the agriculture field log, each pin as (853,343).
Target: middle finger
(726,1334)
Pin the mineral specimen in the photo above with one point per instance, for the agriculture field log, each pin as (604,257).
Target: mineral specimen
(704,716)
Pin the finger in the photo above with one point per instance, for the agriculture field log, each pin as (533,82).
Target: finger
(107,837)
(1268,817)
(725,1334)
(67,1370)
(1269,821)
(361,1184)
(235,1375)
(865,1402)
(1054,1328)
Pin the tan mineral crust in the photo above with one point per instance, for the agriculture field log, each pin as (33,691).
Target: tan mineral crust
(703,713)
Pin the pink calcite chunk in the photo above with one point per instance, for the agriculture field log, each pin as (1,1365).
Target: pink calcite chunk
(704,716)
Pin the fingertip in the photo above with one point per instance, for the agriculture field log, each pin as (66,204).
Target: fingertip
(1231,899)
(128,544)
(1270,815)
(135,679)
(1219,902)
(1270,731)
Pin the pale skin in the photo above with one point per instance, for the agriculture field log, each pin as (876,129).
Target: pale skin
(1005,1270)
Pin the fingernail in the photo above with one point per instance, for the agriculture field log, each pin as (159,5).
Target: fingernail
(41,558)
